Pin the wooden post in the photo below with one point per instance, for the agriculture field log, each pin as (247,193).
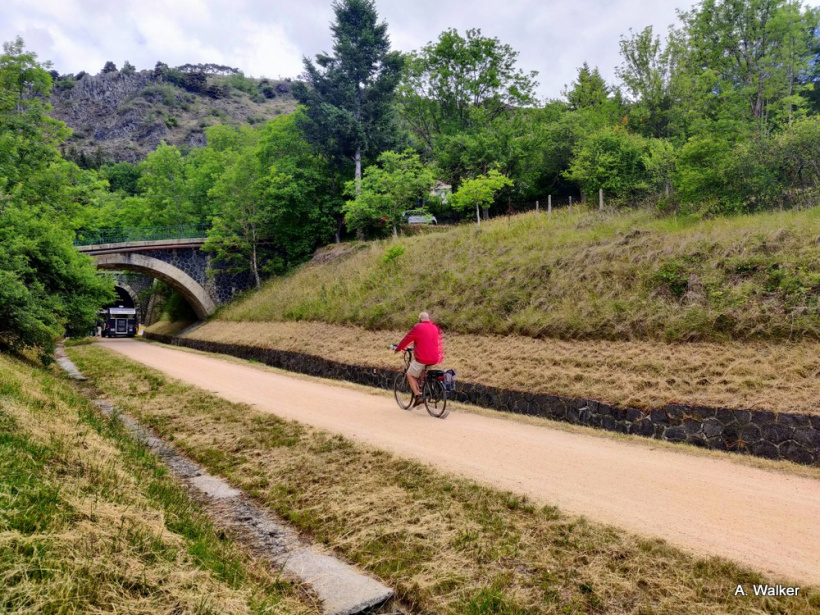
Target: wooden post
(536,207)
(601,199)
(477,215)
(549,207)
(570,206)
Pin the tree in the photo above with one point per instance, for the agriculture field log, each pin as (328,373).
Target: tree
(588,91)
(479,192)
(647,72)
(447,81)
(348,96)
(239,228)
(297,189)
(743,58)
(122,176)
(163,185)
(613,160)
(388,190)
(46,286)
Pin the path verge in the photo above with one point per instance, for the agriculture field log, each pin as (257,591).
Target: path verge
(341,589)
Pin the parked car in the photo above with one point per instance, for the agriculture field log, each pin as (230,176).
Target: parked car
(418,216)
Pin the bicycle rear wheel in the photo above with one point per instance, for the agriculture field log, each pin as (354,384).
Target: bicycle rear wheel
(403,392)
(435,399)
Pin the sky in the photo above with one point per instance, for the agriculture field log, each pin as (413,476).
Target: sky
(270,37)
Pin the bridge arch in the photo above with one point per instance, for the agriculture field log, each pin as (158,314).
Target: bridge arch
(135,299)
(177,279)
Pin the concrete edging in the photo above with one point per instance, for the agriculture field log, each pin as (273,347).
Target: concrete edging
(785,435)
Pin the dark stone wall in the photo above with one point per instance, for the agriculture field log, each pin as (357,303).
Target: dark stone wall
(791,436)
(221,287)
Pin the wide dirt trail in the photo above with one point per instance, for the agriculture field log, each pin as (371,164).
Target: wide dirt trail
(766,520)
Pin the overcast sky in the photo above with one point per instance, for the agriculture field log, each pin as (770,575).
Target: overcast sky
(269,37)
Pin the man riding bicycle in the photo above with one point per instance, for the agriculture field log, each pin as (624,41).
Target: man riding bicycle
(428,351)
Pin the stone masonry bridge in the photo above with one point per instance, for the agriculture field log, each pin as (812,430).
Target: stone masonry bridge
(180,263)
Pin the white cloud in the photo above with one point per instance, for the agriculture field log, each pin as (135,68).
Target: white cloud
(270,37)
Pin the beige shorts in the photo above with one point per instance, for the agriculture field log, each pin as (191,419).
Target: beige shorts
(416,368)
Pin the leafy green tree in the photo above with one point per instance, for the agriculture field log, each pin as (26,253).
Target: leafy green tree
(447,81)
(742,59)
(46,286)
(164,187)
(388,190)
(700,171)
(297,187)
(122,177)
(613,160)
(647,73)
(240,227)
(204,166)
(348,96)
(479,192)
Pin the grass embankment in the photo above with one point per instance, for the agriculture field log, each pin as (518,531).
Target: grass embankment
(167,327)
(446,544)
(91,523)
(782,377)
(630,276)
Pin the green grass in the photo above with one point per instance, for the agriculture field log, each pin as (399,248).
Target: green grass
(446,545)
(608,276)
(91,521)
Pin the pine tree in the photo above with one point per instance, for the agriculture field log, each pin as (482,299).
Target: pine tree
(348,95)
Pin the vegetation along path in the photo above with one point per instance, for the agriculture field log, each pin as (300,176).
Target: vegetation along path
(764,519)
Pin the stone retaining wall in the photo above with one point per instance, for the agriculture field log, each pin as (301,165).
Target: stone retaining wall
(783,435)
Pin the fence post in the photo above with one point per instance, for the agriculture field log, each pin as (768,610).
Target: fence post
(549,207)
(570,206)
(601,199)
(536,207)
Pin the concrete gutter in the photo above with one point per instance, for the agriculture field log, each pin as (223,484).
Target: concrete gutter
(342,589)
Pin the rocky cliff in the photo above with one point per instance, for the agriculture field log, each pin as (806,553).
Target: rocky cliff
(123,115)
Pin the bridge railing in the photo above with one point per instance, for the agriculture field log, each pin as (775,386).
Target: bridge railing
(154,233)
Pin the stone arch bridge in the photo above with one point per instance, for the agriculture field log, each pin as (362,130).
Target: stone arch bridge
(180,263)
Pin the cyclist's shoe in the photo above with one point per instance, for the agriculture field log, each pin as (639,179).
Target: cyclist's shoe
(418,401)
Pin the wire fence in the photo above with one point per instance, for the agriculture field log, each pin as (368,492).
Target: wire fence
(155,233)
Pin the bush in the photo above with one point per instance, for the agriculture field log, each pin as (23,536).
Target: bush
(612,159)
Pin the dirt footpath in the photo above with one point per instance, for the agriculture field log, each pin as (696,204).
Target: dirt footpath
(766,520)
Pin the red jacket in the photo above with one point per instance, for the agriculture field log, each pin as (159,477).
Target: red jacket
(429,348)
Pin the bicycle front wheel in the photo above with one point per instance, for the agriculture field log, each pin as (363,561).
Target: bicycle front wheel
(435,399)
(403,392)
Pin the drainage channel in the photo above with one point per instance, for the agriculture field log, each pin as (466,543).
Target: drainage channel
(342,589)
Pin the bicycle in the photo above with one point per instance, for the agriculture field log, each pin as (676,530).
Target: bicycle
(431,385)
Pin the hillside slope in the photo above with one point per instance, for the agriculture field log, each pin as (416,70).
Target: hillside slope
(122,116)
(629,276)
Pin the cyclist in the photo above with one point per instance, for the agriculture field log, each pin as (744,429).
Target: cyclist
(428,350)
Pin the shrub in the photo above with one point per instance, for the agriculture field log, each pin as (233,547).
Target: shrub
(612,159)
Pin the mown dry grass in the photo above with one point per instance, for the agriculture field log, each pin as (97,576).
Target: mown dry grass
(782,376)
(446,544)
(90,523)
(590,276)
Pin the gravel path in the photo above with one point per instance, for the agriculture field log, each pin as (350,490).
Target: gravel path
(766,520)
